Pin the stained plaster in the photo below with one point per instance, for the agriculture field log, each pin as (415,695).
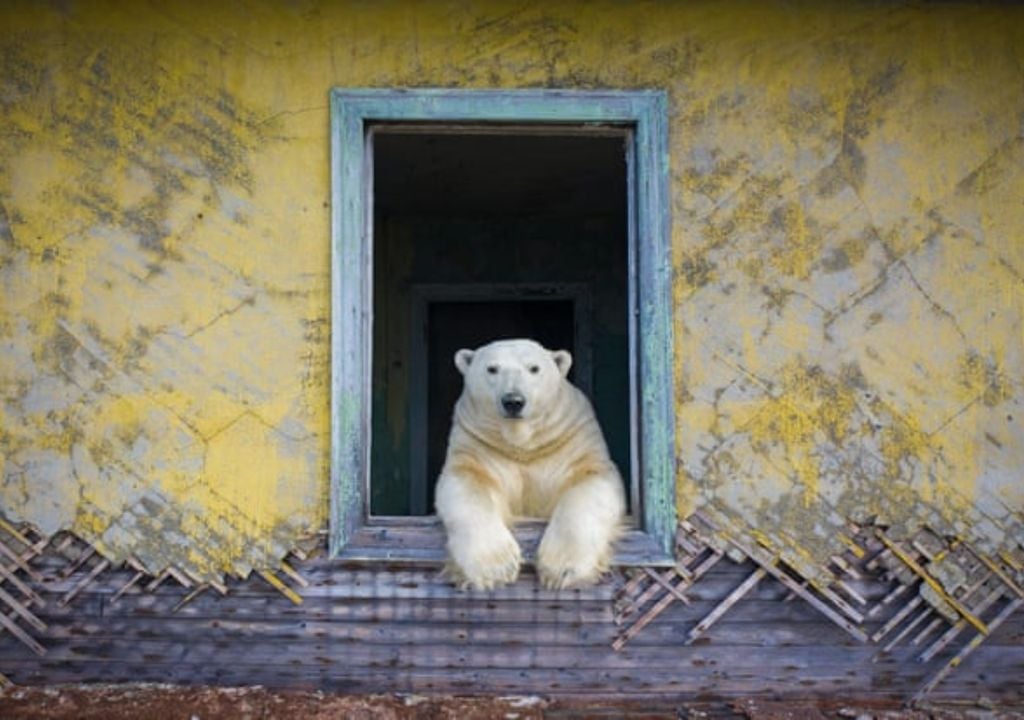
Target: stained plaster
(847,237)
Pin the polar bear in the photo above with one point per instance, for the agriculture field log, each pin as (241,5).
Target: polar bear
(525,442)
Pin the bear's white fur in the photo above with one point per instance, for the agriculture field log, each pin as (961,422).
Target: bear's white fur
(525,442)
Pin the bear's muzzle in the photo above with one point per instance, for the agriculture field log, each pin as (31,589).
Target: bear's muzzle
(512,404)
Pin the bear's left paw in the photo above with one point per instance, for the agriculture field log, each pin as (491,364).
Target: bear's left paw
(483,561)
(562,568)
(564,578)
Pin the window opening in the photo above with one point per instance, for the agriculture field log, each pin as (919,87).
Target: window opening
(482,236)
(512,225)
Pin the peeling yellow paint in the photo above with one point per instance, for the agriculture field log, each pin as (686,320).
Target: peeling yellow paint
(806,409)
(801,245)
(846,233)
(983,380)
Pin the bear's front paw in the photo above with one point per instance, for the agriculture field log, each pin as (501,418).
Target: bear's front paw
(567,575)
(559,570)
(484,560)
(562,564)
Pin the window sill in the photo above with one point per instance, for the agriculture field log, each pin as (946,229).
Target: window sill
(422,540)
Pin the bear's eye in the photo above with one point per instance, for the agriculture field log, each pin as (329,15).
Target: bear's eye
(534,369)
(492,369)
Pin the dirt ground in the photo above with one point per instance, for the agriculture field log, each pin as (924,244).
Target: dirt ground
(164,702)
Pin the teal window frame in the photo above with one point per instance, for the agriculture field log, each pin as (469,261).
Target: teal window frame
(353,532)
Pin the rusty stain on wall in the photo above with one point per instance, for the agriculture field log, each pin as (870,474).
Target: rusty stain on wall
(847,237)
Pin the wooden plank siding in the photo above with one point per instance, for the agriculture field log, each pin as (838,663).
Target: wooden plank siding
(404,629)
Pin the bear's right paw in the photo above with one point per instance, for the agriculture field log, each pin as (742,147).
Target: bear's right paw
(485,561)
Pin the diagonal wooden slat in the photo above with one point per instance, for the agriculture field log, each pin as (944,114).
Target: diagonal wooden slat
(993,566)
(928,630)
(645,619)
(934,584)
(908,628)
(19,562)
(645,590)
(6,575)
(772,566)
(898,617)
(22,586)
(139,574)
(278,585)
(23,636)
(723,607)
(75,563)
(294,575)
(190,597)
(966,650)
(22,611)
(665,583)
(97,569)
(940,644)
(157,581)
(656,591)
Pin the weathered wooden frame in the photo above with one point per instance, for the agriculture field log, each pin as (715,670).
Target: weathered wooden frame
(652,397)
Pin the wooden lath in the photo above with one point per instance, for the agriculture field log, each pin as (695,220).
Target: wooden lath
(30,548)
(648,592)
(698,542)
(933,590)
(280,586)
(920,599)
(926,595)
(726,604)
(31,562)
(17,598)
(966,650)
(908,559)
(142,582)
(825,600)
(939,590)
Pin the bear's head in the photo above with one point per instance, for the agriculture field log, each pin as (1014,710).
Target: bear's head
(517,379)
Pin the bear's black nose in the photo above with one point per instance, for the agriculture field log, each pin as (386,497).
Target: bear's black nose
(513,404)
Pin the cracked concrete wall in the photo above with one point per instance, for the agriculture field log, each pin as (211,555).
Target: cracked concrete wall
(847,237)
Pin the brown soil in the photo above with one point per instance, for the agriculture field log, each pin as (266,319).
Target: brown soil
(164,702)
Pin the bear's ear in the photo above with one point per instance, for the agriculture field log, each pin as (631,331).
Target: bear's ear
(563,360)
(463,359)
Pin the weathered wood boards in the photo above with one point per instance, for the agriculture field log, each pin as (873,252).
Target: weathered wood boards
(405,629)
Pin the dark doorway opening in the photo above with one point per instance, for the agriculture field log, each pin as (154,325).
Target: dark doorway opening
(484,233)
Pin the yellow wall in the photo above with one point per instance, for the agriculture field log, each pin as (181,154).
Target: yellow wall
(848,233)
